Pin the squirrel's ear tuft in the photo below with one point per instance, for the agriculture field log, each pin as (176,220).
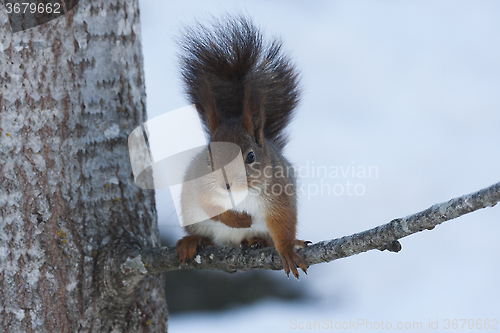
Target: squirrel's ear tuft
(213,118)
(259,128)
(209,106)
(252,117)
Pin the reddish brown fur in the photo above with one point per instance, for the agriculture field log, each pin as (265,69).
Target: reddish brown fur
(246,117)
(252,118)
(230,218)
(207,103)
(258,242)
(229,56)
(281,224)
(234,219)
(187,247)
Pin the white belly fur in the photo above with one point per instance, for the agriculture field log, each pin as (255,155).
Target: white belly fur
(223,235)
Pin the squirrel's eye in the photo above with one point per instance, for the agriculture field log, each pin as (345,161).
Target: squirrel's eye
(250,158)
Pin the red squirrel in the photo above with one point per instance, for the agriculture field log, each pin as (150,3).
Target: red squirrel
(245,91)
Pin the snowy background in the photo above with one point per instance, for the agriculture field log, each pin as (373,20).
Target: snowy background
(411,88)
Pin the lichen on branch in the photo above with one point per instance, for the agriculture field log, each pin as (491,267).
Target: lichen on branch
(384,237)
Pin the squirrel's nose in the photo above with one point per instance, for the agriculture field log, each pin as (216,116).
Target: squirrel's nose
(228,186)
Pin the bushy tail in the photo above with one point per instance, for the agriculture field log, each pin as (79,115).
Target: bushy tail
(222,60)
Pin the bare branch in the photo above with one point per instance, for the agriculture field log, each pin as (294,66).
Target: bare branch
(384,237)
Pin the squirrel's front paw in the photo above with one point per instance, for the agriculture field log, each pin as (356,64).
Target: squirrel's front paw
(235,219)
(255,243)
(291,260)
(187,247)
(300,244)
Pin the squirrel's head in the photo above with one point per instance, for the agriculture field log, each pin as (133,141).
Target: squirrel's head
(231,137)
(245,132)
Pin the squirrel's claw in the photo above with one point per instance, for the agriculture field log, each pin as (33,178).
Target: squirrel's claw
(291,261)
(300,244)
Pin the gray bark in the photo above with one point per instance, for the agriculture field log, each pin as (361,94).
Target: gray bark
(71,91)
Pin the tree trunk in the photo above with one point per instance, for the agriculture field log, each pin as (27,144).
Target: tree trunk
(71,91)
